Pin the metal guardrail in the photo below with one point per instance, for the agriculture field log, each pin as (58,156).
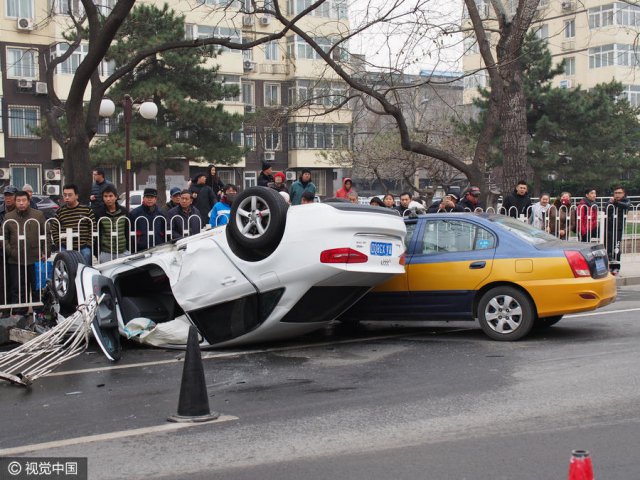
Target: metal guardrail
(110,240)
(22,246)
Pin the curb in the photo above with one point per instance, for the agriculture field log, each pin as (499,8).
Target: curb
(627,281)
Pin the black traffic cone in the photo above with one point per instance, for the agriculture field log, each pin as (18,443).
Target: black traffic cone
(193,405)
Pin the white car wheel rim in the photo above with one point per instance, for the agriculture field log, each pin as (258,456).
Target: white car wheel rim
(503,314)
(61,279)
(253,217)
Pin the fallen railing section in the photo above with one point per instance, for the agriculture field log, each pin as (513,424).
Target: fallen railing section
(38,357)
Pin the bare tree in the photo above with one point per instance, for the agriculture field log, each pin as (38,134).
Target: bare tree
(72,123)
(411,30)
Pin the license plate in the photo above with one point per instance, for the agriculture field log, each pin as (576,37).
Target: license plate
(600,266)
(381,249)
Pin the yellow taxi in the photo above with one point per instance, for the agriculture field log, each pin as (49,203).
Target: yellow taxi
(509,275)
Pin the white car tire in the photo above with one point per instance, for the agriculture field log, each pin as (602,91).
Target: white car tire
(256,223)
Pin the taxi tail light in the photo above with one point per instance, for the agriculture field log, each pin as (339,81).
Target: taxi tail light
(343,255)
(578,263)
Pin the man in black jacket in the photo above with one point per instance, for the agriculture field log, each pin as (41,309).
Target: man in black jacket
(203,197)
(616,209)
(518,202)
(266,175)
(471,200)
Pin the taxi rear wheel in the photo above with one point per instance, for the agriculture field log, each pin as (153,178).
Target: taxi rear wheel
(506,314)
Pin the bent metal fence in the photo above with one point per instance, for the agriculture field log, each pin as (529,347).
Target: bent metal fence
(25,244)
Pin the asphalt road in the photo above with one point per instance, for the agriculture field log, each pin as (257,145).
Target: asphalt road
(383,402)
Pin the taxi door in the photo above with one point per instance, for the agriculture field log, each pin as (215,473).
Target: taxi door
(451,259)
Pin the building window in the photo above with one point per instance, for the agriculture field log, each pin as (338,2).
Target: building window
(250,179)
(20,8)
(236,138)
(271,51)
(570,66)
(632,92)
(1,109)
(570,29)
(193,31)
(627,14)
(250,138)
(475,80)
(601,16)
(23,121)
(613,54)
(106,125)
(22,174)
(271,139)
(318,136)
(227,176)
(22,63)
(336,9)
(329,94)
(232,81)
(542,32)
(71,64)
(62,7)
(299,49)
(471,45)
(271,94)
(248,93)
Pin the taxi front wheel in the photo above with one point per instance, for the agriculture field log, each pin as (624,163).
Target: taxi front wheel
(506,313)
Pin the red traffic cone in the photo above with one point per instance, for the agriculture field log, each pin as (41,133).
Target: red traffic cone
(193,405)
(580,467)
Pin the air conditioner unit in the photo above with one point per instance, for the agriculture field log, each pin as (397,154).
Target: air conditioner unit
(565,83)
(5,173)
(264,21)
(567,5)
(52,189)
(249,108)
(291,175)
(24,24)
(25,84)
(249,66)
(41,88)
(269,156)
(248,20)
(53,174)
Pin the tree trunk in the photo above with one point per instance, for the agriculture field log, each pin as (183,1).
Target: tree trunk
(513,120)
(76,166)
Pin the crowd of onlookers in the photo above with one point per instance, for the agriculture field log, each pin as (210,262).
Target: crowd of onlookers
(106,230)
(562,218)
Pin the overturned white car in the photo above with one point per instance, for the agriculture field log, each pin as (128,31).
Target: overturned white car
(273,272)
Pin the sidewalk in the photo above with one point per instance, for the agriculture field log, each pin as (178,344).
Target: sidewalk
(630,270)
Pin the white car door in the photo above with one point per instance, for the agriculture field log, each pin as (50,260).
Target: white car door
(207,277)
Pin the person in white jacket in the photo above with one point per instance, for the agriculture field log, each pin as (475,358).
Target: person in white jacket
(540,213)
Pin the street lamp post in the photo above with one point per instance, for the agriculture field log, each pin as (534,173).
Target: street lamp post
(147,110)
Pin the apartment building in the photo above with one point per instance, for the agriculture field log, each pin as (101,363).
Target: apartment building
(276,82)
(596,38)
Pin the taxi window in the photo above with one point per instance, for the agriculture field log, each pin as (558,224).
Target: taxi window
(411,228)
(442,236)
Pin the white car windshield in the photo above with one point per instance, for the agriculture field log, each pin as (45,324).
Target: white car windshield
(523,230)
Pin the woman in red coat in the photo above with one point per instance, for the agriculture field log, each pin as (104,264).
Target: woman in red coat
(346,188)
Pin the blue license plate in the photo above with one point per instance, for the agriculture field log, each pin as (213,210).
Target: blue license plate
(381,249)
(600,266)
